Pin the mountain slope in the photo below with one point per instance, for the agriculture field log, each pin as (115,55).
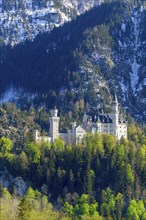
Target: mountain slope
(81,64)
(24,19)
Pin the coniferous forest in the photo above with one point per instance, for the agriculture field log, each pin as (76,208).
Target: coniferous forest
(76,67)
(83,59)
(100,178)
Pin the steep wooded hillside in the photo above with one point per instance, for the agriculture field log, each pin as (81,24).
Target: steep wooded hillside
(80,65)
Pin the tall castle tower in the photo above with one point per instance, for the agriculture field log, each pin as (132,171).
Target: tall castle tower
(36,135)
(54,124)
(115,115)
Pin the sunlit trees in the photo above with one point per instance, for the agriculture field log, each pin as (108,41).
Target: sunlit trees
(136,210)
(83,208)
(9,206)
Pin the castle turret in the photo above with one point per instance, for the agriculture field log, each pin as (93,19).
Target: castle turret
(74,124)
(115,104)
(115,115)
(36,135)
(54,124)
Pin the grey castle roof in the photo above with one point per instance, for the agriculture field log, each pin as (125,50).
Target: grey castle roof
(102,118)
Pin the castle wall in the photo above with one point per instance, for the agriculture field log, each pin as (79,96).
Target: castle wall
(106,128)
(122,130)
(79,134)
(38,138)
(113,126)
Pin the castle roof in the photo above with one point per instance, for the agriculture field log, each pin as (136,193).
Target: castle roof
(101,118)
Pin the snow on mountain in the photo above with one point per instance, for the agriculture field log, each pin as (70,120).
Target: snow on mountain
(129,57)
(134,65)
(24,19)
(125,64)
(13,94)
(121,68)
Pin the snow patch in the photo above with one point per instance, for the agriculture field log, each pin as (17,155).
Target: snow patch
(13,94)
(19,23)
(134,76)
(123,26)
(141,85)
(134,65)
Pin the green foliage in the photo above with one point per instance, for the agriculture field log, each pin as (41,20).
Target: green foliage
(82,208)
(136,134)
(109,142)
(5,146)
(96,179)
(141,157)
(67,48)
(129,172)
(108,202)
(135,210)
(112,205)
(9,207)
(33,151)
(100,177)
(59,144)
(95,143)
(24,163)
(36,206)
(68,209)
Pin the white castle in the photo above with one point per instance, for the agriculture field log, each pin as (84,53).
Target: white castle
(110,123)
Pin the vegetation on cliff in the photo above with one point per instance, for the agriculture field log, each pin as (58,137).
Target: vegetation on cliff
(99,177)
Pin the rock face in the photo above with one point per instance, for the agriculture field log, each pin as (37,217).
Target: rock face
(122,67)
(130,79)
(105,56)
(8,180)
(24,19)
(20,186)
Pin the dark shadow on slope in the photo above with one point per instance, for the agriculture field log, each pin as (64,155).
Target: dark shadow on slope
(40,66)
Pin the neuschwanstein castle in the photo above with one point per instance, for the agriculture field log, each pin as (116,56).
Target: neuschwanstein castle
(110,123)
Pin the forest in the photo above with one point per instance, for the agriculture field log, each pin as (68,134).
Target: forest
(100,178)
(81,60)
(36,65)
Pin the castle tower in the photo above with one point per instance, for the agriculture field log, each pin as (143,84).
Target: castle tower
(74,124)
(115,115)
(115,104)
(54,124)
(36,135)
